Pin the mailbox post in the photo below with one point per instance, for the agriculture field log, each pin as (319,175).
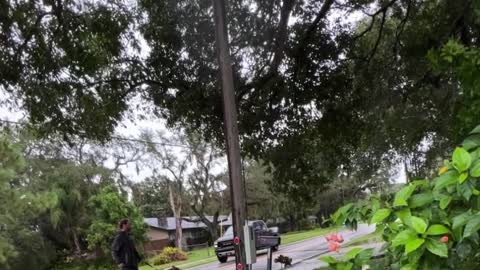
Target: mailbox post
(269,259)
(270,242)
(250,245)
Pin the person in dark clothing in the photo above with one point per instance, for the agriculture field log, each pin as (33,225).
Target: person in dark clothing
(124,252)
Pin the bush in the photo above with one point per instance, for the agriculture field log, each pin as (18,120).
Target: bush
(168,255)
(160,259)
(305,224)
(427,224)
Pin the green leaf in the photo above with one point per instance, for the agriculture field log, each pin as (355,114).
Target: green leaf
(475,170)
(437,229)
(364,256)
(339,216)
(471,142)
(413,245)
(473,225)
(404,237)
(475,130)
(418,224)
(446,179)
(329,260)
(461,220)
(419,200)
(409,267)
(461,159)
(462,177)
(404,215)
(466,189)
(403,195)
(420,183)
(464,249)
(445,201)
(344,266)
(436,247)
(352,253)
(475,155)
(380,215)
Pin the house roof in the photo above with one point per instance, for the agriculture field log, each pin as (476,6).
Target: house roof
(168,223)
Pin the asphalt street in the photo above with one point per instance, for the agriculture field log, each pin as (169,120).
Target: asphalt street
(300,252)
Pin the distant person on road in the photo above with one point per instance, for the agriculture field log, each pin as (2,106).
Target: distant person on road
(124,252)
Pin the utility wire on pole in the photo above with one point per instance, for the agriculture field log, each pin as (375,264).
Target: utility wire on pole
(231,131)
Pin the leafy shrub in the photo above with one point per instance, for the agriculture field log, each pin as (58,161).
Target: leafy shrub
(168,255)
(305,224)
(109,206)
(355,259)
(174,254)
(429,224)
(160,259)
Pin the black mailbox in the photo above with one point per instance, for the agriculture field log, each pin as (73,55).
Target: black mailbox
(268,241)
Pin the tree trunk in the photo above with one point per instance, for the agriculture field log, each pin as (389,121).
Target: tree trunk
(78,248)
(407,173)
(178,233)
(214,233)
(212,226)
(177,213)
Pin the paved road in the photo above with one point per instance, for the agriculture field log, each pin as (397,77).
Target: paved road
(299,252)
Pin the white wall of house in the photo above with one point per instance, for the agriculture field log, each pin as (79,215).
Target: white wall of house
(154,234)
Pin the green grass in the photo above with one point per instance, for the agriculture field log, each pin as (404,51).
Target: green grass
(204,256)
(365,239)
(293,237)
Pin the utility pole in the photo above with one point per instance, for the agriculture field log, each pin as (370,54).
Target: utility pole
(231,131)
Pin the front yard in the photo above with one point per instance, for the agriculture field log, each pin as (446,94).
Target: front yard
(204,255)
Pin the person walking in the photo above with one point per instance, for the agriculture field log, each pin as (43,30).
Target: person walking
(124,252)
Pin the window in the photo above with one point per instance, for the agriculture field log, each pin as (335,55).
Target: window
(257,226)
(229,231)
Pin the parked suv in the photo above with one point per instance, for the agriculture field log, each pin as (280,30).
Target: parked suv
(224,246)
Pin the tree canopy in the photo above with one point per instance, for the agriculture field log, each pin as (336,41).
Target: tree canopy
(317,82)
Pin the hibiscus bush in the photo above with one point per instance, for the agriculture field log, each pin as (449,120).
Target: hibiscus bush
(428,224)
(354,259)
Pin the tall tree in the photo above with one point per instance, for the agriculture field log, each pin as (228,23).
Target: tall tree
(262,203)
(151,195)
(109,206)
(173,172)
(19,209)
(207,190)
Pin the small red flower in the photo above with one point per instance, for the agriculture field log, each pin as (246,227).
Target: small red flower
(333,246)
(340,239)
(444,239)
(334,238)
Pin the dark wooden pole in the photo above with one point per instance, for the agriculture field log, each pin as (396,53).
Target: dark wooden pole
(231,129)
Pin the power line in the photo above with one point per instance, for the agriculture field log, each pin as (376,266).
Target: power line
(117,137)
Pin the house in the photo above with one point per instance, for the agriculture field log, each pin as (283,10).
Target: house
(161,232)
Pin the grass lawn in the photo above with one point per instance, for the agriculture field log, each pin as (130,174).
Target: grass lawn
(204,256)
(293,237)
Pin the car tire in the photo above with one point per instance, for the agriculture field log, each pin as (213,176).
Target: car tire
(222,259)
(275,248)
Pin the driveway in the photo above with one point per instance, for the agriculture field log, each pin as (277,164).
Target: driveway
(300,252)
